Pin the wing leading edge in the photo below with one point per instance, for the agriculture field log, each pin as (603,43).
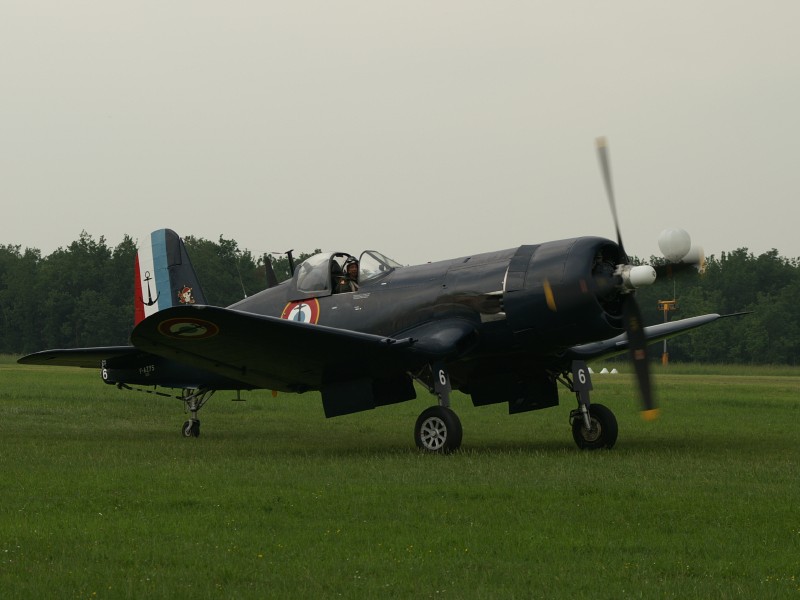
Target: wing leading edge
(88,358)
(273,353)
(653,333)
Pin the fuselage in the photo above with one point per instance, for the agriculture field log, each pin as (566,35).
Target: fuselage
(497,326)
(531,301)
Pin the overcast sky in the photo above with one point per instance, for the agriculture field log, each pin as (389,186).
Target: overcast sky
(424,129)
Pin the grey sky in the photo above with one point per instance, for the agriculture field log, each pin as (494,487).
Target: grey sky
(424,129)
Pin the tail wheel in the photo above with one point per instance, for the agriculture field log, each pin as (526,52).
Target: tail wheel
(438,430)
(191,428)
(604,430)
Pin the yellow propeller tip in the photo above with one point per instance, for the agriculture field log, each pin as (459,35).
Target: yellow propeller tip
(651,415)
(601,142)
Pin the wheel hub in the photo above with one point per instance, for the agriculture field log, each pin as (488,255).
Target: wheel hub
(433,433)
(593,434)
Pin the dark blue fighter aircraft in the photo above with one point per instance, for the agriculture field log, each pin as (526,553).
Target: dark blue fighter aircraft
(504,326)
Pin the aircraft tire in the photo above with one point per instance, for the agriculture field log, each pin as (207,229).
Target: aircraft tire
(191,428)
(604,434)
(438,430)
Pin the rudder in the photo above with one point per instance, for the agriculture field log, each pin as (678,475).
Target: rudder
(164,276)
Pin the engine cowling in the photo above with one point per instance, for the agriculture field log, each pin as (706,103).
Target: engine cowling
(569,291)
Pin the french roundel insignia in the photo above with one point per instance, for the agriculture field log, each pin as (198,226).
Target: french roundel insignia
(304,311)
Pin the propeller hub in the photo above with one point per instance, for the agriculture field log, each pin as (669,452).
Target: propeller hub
(636,277)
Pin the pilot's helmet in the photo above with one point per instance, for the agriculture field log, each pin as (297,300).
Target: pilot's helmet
(350,261)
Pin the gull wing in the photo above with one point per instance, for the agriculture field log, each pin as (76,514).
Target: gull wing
(273,353)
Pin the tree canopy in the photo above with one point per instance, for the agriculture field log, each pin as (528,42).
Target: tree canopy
(763,286)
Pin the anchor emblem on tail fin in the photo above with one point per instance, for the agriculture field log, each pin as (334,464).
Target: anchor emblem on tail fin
(150,300)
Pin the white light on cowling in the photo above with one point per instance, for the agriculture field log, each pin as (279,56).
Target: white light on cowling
(675,244)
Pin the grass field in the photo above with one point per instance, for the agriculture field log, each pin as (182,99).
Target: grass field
(102,498)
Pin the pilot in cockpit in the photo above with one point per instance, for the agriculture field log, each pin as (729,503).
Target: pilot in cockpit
(348,283)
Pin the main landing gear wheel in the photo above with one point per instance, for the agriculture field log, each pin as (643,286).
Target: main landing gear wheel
(603,433)
(438,430)
(191,428)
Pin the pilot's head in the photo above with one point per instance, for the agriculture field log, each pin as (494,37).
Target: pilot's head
(351,268)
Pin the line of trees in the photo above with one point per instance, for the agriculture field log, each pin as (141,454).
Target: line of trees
(766,286)
(82,296)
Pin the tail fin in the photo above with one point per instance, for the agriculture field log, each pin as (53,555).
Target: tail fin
(164,276)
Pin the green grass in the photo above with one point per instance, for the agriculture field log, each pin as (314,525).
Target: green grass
(737,370)
(102,497)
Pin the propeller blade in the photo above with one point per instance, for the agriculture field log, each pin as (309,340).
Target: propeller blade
(605,166)
(637,343)
(670,269)
(694,261)
(631,315)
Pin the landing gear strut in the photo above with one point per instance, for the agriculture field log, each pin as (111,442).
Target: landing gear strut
(593,425)
(193,401)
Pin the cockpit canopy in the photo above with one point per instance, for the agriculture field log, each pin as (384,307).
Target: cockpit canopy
(314,276)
